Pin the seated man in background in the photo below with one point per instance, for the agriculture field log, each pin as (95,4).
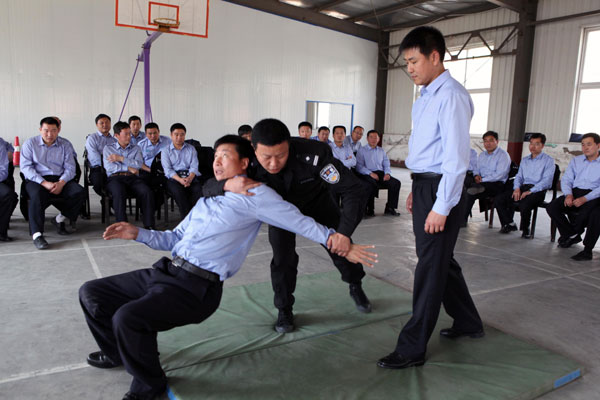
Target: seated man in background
(180,163)
(341,150)
(48,164)
(94,144)
(305,129)
(353,140)
(581,187)
(322,135)
(529,187)
(592,232)
(8,197)
(124,312)
(123,161)
(374,165)
(493,166)
(244,131)
(152,144)
(135,123)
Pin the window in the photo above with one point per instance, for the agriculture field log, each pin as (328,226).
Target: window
(324,113)
(585,116)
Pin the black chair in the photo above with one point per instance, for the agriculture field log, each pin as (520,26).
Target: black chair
(487,204)
(545,204)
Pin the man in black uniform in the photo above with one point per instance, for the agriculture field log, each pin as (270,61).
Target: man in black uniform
(305,173)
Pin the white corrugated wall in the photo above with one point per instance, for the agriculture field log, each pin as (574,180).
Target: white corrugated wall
(67,58)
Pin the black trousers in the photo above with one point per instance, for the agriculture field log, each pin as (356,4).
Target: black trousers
(284,265)
(69,202)
(185,197)
(124,313)
(492,189)
(592,232)
(506,206)
(120,186)
(98,179)
(8,202)
(571,220)
(438,276)
(392,185)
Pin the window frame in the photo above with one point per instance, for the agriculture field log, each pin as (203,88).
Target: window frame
(579,85)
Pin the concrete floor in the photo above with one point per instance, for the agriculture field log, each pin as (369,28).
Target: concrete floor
(527,288)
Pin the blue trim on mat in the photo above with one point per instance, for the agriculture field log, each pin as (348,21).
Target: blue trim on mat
(567,378)
(170,394)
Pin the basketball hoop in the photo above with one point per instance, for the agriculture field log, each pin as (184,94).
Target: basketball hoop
(166,24)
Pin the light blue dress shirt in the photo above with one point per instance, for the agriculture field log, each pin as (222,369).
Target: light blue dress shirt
(3,164)
(344,154)
(353,145)
(95,144)
(7,146)
(473,161)
(219,231)
(149,150)
(174,160)
(440,139)
(537,171)
(369,159)
(132,158)
(317,139)
(493,167)
(583,174)
(39,160)
(141,136)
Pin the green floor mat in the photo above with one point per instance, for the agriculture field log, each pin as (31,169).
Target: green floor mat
(236,354)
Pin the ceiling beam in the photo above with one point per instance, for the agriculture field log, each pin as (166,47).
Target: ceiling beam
(440,17)
(514,5)
(386,10)
(311,17)
(329,5)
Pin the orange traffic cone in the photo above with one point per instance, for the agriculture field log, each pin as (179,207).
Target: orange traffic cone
(17,153)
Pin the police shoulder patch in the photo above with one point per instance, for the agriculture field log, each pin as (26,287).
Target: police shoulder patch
(330,174)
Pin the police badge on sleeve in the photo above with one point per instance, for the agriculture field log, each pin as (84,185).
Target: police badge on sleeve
(330,174)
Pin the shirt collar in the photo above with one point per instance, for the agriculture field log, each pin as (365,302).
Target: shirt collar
(41,141)
(436,83)
(172,146)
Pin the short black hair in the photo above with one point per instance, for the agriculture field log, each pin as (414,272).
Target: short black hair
(538,135)
(177,125)
(371,131)
(426,39)
(323,128)
(270,132)
(358,126)
(305,123)
(100,116)
(244,130)
(592,135)
(151,125)
(490,133)
(49,121)
(339,126)
(242,146)
(134,118)
(119,126)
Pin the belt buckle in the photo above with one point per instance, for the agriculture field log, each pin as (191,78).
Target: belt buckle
(178,262)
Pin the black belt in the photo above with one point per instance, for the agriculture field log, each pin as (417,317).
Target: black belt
(193,269)
(415,176)
(123,173)
(184,173)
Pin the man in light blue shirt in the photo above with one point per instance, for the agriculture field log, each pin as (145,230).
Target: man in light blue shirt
(94,145)
(124,312)
(353,140)
(529,187)
(48,164)
(341,150)
(305,129)
(135,123)
(438,155)
(491,173)
(373,164)
(180,164)
(123,161)
(581,187)
(152,144)
(322,135)
(8,197)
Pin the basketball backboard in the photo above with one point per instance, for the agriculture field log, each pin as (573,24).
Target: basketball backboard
(189,17)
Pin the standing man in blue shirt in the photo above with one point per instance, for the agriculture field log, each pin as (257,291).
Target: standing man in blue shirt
(529,187)
(341,150)
(353,140)
(135,123)
(8,197)
(94,145)
(581,187)
(124,312)
(180,163)
(438,155)
(123,161)
(48,164)
(374,166)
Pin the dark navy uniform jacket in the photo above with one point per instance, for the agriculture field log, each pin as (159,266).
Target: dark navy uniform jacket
(311,170)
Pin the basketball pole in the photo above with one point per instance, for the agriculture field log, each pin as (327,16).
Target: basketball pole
(145,58)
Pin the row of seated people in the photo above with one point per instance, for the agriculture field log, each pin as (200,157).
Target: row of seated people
(49,164)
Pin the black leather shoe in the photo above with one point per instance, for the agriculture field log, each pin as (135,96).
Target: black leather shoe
(61,229)
(583,255)
(508,228)
(137,396)
(5,238)
(391,211)
(526,234)
(285,322)
(100,360)
(40,243)
(360,298)
(451,333)
(370,213)
(569,242)
(396,361)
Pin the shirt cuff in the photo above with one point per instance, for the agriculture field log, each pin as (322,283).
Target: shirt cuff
(441,208)
(143,235)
